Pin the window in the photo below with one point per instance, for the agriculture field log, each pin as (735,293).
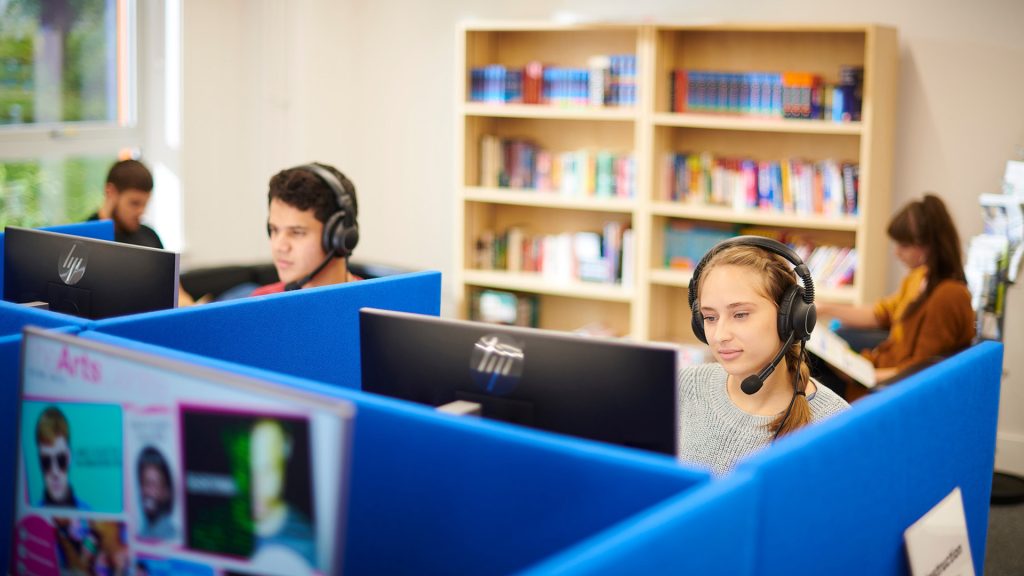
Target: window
(67,105)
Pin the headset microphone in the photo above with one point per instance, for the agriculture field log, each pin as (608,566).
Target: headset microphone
(296,284)
(753,383)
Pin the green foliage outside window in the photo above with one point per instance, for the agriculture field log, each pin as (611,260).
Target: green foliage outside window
(87,55)
(36,194)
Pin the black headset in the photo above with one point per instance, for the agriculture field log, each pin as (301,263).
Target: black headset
(341,230)
(797,314)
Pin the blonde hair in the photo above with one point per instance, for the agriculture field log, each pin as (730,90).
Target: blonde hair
(52,425)
(777,276)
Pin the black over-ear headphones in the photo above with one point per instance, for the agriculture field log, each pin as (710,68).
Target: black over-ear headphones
(341,230)
(797,314)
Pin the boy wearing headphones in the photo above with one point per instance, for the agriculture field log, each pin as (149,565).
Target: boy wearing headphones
(748,307)
(312,227)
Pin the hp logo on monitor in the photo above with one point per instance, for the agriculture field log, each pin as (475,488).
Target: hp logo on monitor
(496,364)
(71,266)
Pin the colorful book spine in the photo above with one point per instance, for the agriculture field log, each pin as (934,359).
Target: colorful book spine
(791,185)
(589,256)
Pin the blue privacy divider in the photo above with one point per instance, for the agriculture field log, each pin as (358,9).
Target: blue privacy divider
(435,494)
(99,229)
(14,317)
(312,333)
(707,531)
(837,497)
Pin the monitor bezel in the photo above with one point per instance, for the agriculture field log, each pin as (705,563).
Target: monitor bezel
(175,292)
(553,336)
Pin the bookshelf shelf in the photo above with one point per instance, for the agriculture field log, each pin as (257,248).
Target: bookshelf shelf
(843,295)
(536,284)
(756,217)
(681,279)
(754,124)
(655,307)
(554,200)
(549,112)
(670,277)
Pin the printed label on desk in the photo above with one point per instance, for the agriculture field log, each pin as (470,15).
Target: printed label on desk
(937,544)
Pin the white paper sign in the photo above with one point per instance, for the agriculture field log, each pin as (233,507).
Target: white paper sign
(937,544)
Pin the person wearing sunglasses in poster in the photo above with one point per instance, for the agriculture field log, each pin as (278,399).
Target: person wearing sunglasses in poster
(53,440)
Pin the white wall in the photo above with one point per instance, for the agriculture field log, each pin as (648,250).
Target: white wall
(368,86)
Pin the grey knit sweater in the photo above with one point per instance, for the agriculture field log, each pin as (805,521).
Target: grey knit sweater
(714,432)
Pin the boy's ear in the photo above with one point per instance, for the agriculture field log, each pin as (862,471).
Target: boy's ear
(110,193)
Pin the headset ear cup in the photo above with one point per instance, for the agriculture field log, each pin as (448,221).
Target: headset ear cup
(351,238)
(805,316)
(697,323)
(333,238)
(785,321)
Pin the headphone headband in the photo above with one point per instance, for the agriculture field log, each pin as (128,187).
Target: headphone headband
(341,230)
(796,310)
(335,185)
(773,246)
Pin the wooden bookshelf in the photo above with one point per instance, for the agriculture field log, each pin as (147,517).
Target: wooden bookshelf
(653,306)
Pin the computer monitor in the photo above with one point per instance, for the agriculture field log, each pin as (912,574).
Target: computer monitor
(87,277)
(602,389)
(140,464)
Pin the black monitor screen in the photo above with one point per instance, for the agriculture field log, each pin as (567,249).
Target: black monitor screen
(87,277)
(133,463)
(607,390)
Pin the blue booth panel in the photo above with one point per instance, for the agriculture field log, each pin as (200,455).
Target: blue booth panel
(437,494)
(707,531)
(312,333)
(98,229)
(14,317)
(836,497)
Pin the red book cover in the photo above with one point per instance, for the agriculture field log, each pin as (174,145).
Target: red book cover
(533,82)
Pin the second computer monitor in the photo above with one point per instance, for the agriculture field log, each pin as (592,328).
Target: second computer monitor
(601,389)
(87,277)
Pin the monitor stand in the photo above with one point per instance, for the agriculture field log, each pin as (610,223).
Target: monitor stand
(461,408)
(69,300)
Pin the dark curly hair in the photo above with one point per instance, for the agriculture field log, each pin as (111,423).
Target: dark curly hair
(150,456)
(304,190)
(130,174)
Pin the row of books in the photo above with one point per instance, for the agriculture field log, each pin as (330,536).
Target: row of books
(830,266)
(607,256)
(770,94)
(518,163)
(607,81)
(501,307)
(793,185)
(517,309)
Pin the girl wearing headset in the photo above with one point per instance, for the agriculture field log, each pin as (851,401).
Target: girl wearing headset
(741,403)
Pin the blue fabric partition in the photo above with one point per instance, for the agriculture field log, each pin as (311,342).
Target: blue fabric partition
(10,350)
(14,317)
(836,498)
(99,229)
(435,494)
(707,531)
(312,333)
